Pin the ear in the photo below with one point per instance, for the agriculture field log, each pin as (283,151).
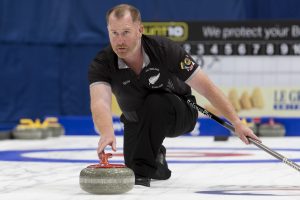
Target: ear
(141,29)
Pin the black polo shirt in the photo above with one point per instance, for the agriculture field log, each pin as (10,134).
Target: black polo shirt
(170,66)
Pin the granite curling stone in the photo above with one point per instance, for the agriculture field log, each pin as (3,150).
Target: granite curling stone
(218,138)
(29,129)
(106,178)
(28,133)
(54,126)
(271,129)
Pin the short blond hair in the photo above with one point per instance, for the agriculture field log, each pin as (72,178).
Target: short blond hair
(120,10)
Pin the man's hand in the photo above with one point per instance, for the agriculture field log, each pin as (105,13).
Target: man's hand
(243,131)
(104,141)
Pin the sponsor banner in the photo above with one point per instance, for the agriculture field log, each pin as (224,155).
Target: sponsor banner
(260,101)
(177,31)
(231,37)
(244,30)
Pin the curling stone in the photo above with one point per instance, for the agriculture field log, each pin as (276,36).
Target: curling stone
(271,129)
(56,130)
(28,133)
(27,129)
(257,122)
(54,126)
(46,132)
(219,138)
(106,178)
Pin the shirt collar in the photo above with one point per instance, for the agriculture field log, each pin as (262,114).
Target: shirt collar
(146,61)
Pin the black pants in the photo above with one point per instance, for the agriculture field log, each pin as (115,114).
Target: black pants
(162,115)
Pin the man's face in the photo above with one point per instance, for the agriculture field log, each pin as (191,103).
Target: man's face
(124,35)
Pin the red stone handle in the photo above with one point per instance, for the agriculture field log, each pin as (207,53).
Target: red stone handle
(104,158)
(104,162)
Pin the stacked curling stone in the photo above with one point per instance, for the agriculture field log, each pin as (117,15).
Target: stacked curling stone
(28,129)
(271,129)
(56,129)
(106,178)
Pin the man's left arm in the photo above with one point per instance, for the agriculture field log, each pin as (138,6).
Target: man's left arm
(205,87)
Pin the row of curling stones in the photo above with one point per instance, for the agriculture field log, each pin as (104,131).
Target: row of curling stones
(106,178)
(29,129)
(269,129)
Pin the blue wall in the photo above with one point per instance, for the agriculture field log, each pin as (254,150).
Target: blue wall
(46,46)
(205,127)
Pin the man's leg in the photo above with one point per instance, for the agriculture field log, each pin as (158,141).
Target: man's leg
(156,118)
(186,118)
(131,132)
(162,172)
(162,115)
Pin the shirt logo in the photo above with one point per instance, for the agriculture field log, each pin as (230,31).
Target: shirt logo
(170,85)
(153,79)
(126,82)
(187,64)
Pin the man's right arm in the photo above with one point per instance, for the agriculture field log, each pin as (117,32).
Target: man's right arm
(101,98)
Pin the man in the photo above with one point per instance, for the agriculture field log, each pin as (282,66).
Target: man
(149,76)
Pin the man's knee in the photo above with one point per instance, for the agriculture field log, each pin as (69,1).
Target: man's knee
(157,103)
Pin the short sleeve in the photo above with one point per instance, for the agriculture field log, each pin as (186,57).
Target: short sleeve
(99,70)
(179,61)
(187,68)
